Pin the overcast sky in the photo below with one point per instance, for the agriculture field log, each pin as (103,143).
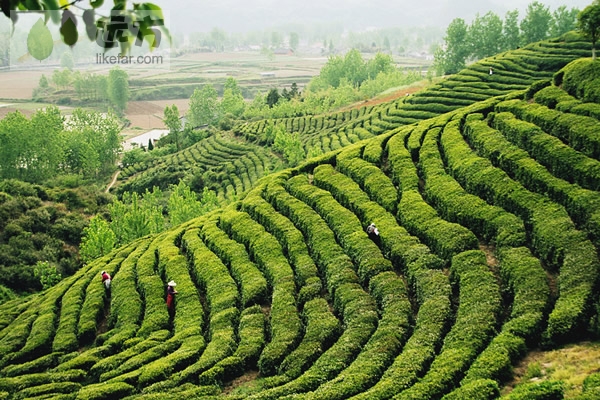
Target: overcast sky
(245,15)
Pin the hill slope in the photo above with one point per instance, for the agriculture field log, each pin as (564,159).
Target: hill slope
(514,70)
(489,226)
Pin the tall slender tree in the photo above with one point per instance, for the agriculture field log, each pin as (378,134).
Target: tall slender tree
(204,107)
(588,23)
(510,31)
(172,121)
(118,89)
(564,20)
(536,24)
(453,58)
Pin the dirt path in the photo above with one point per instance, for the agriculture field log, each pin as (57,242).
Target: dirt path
(112,182)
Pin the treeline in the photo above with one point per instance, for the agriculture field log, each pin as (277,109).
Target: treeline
(343,80)
(297,37)
(48,144)
(489,34)
(66,86)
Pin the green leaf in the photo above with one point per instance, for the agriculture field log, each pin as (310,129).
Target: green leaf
(89,18)
(39,41)
(68,28)
(52,10)
(32,5)
(96,3)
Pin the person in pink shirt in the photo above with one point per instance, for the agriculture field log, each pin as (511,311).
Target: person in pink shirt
(106,279)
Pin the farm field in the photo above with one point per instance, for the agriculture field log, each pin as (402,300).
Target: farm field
(191,70)
(485,191)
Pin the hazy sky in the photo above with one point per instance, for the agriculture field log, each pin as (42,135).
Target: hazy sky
(244,15)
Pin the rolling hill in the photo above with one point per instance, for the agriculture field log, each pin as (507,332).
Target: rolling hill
(485,193)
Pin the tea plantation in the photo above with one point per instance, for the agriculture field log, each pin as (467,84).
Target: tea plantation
(485,191)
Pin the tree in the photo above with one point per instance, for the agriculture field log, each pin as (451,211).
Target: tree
(564,20)
(289,145)
(218,38)
(294,41)
(135,216)
(93,142)
(66,60)
(61,78)
(485,35)
(98,239)
(25,153)
(453,58)
(47,274)
(536,24)
(183,204)
(354,67)
(332,71)
(232,104)
(272,97)
(118,89)
(48,149)
(172,121)
(511,33)
(204,107)
(588,23)
(380,63)
(294,92)
(386,44)
(43,84)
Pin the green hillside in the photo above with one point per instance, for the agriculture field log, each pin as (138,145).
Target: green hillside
(485,193)
(212,159)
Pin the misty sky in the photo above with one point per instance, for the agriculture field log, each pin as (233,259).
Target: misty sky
(245,15)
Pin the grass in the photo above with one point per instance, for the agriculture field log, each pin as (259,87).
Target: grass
(570,364)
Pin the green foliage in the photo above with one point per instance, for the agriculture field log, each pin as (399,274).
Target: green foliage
(588,23)
(547,390)
(118,89)
(580,79)
(183,204)
(484,35)
(47,274)
(232,101)
(172,121)
(536,24)
(564,20)
(204,107)
(452,59)
(289,145)
(135,216)
(482,389)
(286,281)
(98,239)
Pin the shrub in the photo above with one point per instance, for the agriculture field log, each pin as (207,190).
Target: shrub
(545,390)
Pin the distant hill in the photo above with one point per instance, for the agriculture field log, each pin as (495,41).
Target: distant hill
(485,193)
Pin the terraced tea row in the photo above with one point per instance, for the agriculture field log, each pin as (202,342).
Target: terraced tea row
(227,167)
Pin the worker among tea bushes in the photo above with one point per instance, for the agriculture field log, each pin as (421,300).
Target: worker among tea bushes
(373,232)
(171,292)
(106,279)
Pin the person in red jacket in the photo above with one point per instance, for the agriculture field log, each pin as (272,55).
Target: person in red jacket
(106,279)
(171,292)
